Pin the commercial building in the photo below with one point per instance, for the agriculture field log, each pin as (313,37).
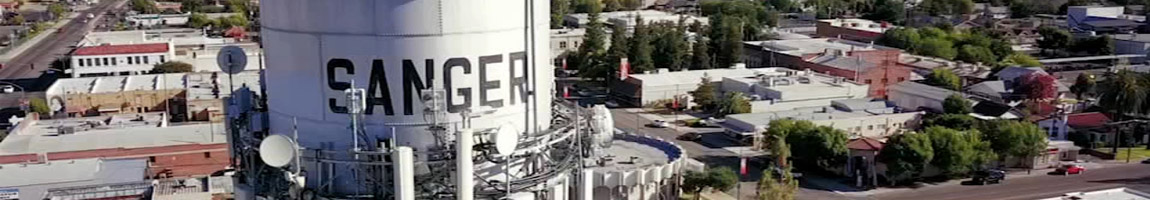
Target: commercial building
(641,89)
(861,30)
(1099,19)
(190,46)
(565,40)
(910,95)
(155,20)
(169,150)
(122,59)
(627,18)
(922,66)
(1132,44)
(857,117)
(35,180)
(187,96)
(780,89)
(866,63)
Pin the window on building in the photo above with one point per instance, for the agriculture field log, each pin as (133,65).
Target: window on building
(867,81)
(870,127)
(107,62)
(146,60)
(881,126)
(151,159)
(130,61)
(207,154)
(900,79)
(161,58)
(80,62)
(563,45)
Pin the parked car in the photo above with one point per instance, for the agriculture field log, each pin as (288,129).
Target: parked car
(611,104)
(778,173)
(660,124)
(1068,169)
(692,136)
(712,122)
(1147,161)
(989,176)
(7,89)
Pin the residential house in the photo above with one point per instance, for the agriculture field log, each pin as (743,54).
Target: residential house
(1058,127)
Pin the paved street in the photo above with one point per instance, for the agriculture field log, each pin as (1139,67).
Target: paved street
(1135,176)
(38,58)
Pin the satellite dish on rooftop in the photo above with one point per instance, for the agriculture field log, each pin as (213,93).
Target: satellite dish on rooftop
(56,104)
(277,150)
(506,139)
(232,59)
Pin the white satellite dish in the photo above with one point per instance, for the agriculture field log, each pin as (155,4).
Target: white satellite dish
(232,59)
(506,139)
(277,150)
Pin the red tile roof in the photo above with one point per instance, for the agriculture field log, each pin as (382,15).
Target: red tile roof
(122,49)
(865,144)
(1093,119)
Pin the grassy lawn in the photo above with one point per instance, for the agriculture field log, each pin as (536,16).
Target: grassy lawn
(1136,154)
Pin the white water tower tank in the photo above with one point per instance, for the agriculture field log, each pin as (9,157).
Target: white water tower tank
(492,53)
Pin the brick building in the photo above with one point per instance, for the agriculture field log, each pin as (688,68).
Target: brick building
(866,63)
(852,29)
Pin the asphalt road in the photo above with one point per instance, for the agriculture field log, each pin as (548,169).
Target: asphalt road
(37,59)
(1134,176)
(710,152)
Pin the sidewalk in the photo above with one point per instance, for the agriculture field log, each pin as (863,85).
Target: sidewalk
(835,186)
(4,58)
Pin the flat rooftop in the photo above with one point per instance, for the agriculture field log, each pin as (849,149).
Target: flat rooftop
(1115,193)
(631,152)
(146,82)
(842,111)
(796,87)
(800,47)
(101,133)
(34,180)
(696,76)
(860,24)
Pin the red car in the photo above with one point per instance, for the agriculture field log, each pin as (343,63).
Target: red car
(1070,169)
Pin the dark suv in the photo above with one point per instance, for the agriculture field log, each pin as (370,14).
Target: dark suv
(989,176)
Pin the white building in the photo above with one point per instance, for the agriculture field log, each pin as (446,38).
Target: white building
(35,180)
(640,89)
(1115,193)
(627,18)
(565,40)
(125,59)
(910,95)
(190,46)
(858,117)
(780,89)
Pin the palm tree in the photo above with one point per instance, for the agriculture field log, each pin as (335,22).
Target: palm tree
(1122,93)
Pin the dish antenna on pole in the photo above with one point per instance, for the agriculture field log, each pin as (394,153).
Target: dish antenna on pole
(505,139)
(278,150)
(232,59)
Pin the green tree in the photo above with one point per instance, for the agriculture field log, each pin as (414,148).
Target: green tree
(611,5)
(947,7)
(145,6)
(1122,93)
(955,104)
(823,146)
(237,6)
(733,103)
(641,48)
(1022,9)
(721,178)
(944,78)
(619,48)
(172,67)
(729,41)
(237,20)
(887,10)
(976,54)
(783,188)
(936,47)
(39,106)
(191,5)
(903,38)
(588,59)
(952,121)
(670,48)
(1054,38)
(1020,59)
(704,95)
(559,9)
(905,156)
(956,152)
(1017,139)
(700,54)
(198,20)
(18,19)
(57,10)
(1083,85)
(632,4)
(1101,45)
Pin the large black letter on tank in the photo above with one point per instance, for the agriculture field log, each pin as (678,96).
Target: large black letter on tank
(411,82)
(333,84)
(518,82)
(465,92)
(485,85)
(378,83)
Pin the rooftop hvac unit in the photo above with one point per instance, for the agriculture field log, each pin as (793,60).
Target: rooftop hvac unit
(66,130)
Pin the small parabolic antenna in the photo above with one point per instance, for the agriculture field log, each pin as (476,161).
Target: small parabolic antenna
(277,150)
(232,59)
(506,139)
